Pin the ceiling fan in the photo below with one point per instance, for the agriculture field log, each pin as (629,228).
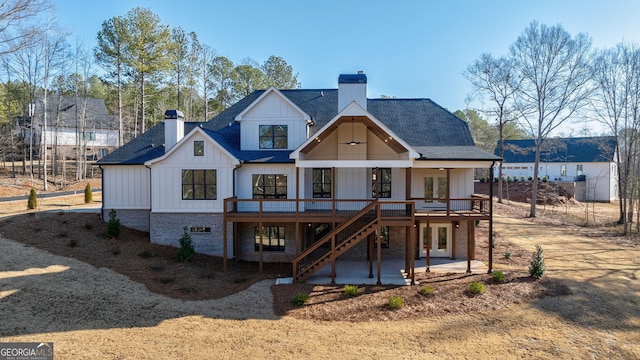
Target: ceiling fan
(353,141)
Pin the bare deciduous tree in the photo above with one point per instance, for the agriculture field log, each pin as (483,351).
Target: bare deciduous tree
(555,73)
(495,79)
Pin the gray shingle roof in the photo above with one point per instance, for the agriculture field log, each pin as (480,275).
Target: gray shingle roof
(586,149)
(70,111)
(420,122)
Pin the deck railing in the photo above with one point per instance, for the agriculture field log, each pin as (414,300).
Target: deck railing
(319,208)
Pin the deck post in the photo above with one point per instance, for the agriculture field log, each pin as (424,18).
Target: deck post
(491,217)
(370,254)
(379,282)
(260,229)
(428,247)
(333,260)
(224,241)
(407,252)
(469,245)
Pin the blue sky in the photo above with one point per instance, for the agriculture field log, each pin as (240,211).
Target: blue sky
(408,49)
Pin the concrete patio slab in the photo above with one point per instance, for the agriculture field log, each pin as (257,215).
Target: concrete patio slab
(391,271)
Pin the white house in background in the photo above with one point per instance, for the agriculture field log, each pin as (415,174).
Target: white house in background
(72,120)
(590,162)
(306,177)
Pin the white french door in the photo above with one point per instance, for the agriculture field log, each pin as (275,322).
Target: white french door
(436,238)
(435,187)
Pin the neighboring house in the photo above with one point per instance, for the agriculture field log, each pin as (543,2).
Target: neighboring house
(306,177)
(71,121)
(590,162)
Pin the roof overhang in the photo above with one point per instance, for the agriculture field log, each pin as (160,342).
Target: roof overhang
(185,139)
(355,112)
(272,90)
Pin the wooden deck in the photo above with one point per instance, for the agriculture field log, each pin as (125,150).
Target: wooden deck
(393,213)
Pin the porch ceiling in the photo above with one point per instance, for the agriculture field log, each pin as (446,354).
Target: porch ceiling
(371,126)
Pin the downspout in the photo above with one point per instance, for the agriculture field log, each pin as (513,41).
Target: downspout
(102,186)
(234,177)
(150,196)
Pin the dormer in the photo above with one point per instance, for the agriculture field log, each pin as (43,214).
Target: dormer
(272,122)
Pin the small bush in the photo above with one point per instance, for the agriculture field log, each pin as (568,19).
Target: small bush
(113,226)
(88,195)
(522,178)
(427,290)
(477,288)
(396,302)
(507,255)
(186,249)
(32,203)
(537,267)
(498,276)
(351,291)
(300,299)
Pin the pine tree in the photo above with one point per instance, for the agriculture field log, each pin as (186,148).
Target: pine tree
(186,249)
(537,267)
(32,203)
(88,195)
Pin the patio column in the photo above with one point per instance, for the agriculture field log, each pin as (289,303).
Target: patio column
(370,254)
(428,247)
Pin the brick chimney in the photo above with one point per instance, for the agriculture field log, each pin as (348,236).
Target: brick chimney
(173,128)
(352,87)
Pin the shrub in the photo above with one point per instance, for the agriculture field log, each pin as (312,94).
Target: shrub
(113,226)
(32,203)
(88,195)
(498,276)
(300,299)
(530,178)
(396,302)
(427,290)
(186,249)
(351,290)
(507,255)
(522,178)
(477,288)
(537,267)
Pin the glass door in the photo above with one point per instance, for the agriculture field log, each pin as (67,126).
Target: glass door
(437,239)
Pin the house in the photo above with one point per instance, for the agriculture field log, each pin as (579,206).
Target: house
(589,162)
(71,121)
(306,177)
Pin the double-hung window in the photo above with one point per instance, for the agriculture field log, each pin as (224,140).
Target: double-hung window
(273,137)
(269,186)
(272,238)
(199,185)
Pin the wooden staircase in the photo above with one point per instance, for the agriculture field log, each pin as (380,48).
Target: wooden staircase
(337,242)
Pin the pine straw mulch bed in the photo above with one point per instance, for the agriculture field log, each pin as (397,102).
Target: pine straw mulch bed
(83,236)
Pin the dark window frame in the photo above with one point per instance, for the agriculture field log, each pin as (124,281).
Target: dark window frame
(385,183)
(273,136)
(269,186)
(199,184)
(198,148)
(273,238)
(322,183)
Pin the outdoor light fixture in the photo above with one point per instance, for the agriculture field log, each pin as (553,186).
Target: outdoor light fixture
(457,224)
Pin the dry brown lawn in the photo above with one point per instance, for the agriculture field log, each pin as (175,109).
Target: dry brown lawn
(90,311)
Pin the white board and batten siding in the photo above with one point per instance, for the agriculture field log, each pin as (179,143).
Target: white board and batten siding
(68,137)
(244,184)
(460,184)
(126,187)
(166,177)
(272,110)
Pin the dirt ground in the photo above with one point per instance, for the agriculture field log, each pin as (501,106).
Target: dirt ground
(91,311)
